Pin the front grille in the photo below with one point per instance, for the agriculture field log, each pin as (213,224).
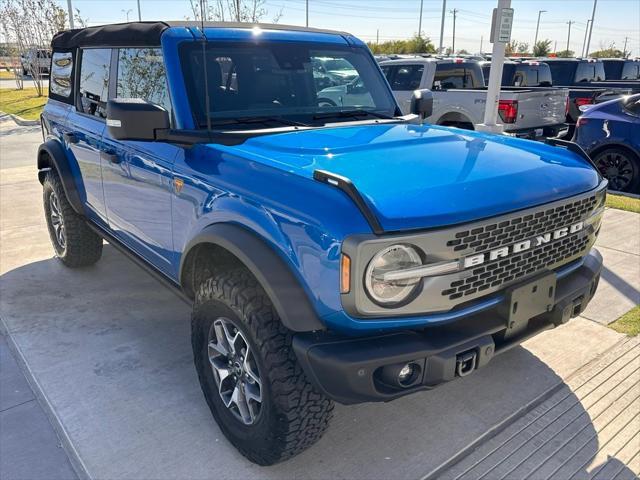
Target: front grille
(495,274)
(495,235)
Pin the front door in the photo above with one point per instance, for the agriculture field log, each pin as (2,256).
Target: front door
(137,176)
(84,142)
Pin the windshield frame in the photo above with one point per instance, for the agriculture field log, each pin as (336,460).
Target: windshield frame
(301,115)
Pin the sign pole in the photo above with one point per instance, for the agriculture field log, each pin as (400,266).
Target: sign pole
(500,36)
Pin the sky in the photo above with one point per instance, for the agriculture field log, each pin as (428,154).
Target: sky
(398,19)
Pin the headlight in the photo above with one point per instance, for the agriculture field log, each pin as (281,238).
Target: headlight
(393,258)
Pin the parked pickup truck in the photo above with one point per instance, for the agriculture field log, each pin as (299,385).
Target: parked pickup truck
(587,72)
(533,73)
(621,68)
(460,96)
(339,253)
(35,61)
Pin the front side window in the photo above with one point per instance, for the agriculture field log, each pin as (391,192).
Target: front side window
(141,74)
(282,81)
(61,70)
(632,105)
(94,81)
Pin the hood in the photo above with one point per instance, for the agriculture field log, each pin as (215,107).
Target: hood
(423,176)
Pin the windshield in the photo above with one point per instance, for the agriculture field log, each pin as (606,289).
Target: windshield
(275,81)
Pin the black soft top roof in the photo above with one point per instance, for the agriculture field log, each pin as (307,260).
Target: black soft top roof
(140,34)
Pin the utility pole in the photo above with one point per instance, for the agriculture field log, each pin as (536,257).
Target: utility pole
(584,43)
(420,21)
(453,43)
(593,15)
(570,22)
(70,9)
(535,40)
(555,46)
(624,49)
(126,12)
(377,36)
(481,39)
(444,10)
(307,12)
(139,13)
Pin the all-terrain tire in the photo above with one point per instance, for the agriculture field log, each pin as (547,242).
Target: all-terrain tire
(80,246)
(293,414)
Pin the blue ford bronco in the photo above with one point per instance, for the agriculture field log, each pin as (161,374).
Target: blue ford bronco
(332,251)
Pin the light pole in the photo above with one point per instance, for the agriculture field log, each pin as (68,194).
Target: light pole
(420,20)
(535,40)
(584,43)
(569,35)
(444,11)
(307,13)
(126,12)
(593,14)
(139,13)
(70,9)
(453,43)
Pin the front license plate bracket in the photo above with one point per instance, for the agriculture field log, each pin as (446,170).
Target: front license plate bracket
(528,300)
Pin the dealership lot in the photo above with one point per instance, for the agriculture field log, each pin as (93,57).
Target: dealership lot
(108,352)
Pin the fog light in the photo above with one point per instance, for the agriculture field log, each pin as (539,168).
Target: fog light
(406,373)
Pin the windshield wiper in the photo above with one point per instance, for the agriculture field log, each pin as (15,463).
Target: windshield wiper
(351,114)
(252,120)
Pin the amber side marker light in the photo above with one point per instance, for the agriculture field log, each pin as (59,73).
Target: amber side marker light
(345,274)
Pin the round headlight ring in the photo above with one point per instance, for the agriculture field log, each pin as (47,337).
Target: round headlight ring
(392,294)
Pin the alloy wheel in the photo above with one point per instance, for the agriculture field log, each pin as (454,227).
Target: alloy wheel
(617,168)
(57,221)
(235,370)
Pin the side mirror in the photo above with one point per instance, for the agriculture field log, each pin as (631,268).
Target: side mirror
(135,119)
(422,103)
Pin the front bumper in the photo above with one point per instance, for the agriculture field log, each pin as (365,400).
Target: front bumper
(355,370)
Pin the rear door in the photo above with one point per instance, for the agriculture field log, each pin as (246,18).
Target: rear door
(87,123)
(404,79)
(137,175)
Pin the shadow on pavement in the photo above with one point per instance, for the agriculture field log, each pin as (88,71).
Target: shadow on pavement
(110,348)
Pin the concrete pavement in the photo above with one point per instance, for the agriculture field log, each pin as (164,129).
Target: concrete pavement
(109,348)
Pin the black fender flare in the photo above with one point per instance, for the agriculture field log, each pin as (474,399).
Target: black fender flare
(51,156)
(283,288)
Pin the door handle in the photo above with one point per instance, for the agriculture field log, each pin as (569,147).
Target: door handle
(112,157)
(70,138)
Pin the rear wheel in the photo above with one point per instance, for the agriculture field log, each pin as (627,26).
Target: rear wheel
(75,244)
(249,374)
(621,168)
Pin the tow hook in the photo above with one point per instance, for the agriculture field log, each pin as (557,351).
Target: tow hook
(466,363)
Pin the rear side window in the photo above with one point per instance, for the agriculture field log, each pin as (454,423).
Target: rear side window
(586,72)
(457,75)
(563,73)
(94,81)
(61,75)
(142,74)
(633,105)
(404,77)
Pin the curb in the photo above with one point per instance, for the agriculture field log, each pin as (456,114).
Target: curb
(72,453)
(19,120)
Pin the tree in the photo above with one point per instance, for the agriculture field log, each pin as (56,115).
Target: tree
(523,48)
(565,53)
(252,11)
(416,44)
(31,24)
(609,53)
(542,48)
(79,21)
(462,51)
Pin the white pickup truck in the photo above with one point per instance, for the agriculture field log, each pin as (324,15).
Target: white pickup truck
(459,96)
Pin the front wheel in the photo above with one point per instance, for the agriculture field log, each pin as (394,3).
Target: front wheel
(249,374)
(75,244)
(621,168)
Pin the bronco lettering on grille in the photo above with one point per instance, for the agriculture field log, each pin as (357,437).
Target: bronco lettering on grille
(522,246)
